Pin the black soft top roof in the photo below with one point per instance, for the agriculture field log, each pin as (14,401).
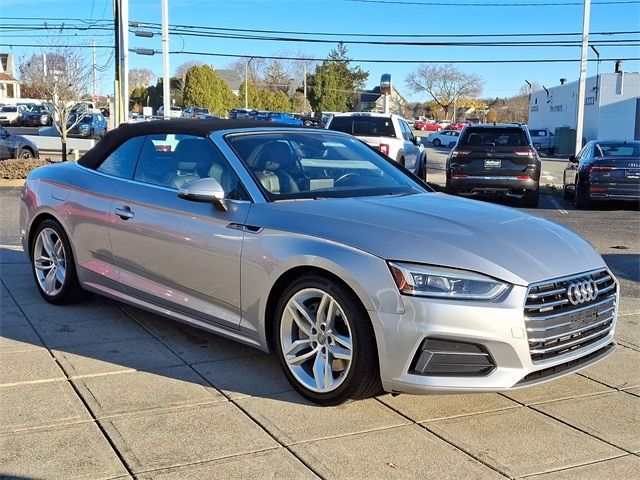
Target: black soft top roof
(113,139)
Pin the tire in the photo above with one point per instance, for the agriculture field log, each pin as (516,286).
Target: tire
(51,253)
(566,195)
(531,199)
(311,343)
(581,198)
(401,161)
(437,142)
(25,154)
(422,172)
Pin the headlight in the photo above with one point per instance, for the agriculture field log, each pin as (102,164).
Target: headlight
(429,281)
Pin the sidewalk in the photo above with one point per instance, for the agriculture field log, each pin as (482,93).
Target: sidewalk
(103,390)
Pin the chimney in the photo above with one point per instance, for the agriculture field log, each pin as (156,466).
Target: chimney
(563,81)
(618,67)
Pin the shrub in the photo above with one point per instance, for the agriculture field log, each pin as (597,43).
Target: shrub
(18,169)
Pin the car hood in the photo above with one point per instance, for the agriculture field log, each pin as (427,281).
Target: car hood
(439,229)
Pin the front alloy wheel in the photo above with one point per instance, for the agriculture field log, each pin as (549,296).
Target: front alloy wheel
(325,342)
(316,340)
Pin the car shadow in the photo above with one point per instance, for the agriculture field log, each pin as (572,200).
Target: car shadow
(100,336)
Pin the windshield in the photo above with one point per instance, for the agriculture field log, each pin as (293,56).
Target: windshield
(494,137)
(290,165)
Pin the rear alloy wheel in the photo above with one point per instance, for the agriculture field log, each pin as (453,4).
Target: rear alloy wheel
(53,265)
(325,342)
(531,199)
(437,142)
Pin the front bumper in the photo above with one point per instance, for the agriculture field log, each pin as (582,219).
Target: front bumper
(497,329)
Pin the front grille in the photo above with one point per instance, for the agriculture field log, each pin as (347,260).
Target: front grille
(558,322)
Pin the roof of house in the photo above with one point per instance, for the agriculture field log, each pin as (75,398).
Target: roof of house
(369,96)
(230,77)
(5,77)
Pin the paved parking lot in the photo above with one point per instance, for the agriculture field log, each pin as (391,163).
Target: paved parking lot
(103,390)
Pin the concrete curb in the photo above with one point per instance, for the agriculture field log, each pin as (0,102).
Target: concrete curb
(12,183)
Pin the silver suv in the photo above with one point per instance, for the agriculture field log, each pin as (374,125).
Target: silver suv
(389,133)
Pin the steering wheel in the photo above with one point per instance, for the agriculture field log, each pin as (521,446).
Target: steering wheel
(344,179)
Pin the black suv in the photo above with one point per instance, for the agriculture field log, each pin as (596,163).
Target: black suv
(495,160)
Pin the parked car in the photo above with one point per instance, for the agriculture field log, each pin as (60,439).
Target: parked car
(603,170)
(239,113)
(10,114)
(194,112)
(427,125)
(457,125)
(175,112)
(38,116)
(543,139)
(444,123)
(369,282)
(16,146)
(447,138)
(91,125)
(495,160)
(388,133)
(282,117)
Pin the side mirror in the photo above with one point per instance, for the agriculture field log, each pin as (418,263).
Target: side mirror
(417,140)
(572,159)
(206,190)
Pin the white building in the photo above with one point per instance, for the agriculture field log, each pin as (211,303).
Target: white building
(612,107)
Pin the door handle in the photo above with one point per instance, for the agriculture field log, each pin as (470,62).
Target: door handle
(124,213)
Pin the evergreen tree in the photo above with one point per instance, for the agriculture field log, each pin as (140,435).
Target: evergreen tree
(335,83)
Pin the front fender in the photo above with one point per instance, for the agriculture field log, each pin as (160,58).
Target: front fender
(367,275)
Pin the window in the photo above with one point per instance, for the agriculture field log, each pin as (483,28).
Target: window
(406,131)
(122,160)
(494,137)
(318,165)
(365,126)
(169,160)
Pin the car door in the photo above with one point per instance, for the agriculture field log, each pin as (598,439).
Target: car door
(176,253)
(411,151)
(572,167)
(4,144)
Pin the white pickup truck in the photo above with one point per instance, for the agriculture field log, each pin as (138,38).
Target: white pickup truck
(389,133)
(543,139)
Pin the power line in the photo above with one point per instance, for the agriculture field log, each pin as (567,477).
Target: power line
(379,35)
(527,4)
(395,61)
(529,43)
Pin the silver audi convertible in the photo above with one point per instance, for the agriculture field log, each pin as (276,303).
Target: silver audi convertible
(311,244)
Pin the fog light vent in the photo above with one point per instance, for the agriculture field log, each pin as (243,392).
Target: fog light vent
(450,358)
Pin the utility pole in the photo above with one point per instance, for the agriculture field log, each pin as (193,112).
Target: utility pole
(121,84)
(95,80)
(166,80)
(304,84)
(115,114)
(582,85)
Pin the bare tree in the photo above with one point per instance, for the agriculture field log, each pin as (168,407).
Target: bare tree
(139,77)
(445,84)
(254,67)
(183,68)
(59,76)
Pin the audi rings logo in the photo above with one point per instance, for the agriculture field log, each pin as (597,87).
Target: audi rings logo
(582,291)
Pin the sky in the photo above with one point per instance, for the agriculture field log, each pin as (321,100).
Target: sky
(344,17)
